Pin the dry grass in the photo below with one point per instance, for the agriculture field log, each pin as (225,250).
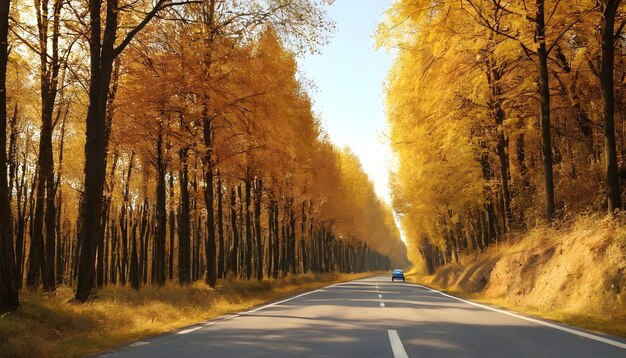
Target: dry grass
(50,326)
(573,273)
(614,324)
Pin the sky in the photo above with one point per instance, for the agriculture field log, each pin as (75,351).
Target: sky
(349,75)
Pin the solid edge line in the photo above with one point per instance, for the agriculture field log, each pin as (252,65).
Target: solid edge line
(396,344)
(291,298)
(537,321)
(188,330)
(275,303)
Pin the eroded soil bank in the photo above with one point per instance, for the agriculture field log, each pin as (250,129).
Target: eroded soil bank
(574,273)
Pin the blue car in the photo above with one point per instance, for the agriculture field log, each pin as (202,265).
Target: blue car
(397,275)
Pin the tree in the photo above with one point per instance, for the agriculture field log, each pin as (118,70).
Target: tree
(8,279)
(544,99)
(103,51)
(42,253)
(609,10)
(462,62)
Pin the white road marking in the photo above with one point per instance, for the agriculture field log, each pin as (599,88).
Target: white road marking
(233,316)
(396,344)
(547,324)
(275,303)
(382,304)
(189,330)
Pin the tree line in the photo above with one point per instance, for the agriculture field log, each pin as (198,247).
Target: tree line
(503,114)
(147,142)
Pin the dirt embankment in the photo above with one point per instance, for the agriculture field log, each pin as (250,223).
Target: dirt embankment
(575,274)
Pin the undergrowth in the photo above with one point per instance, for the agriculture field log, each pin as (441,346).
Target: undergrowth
(51,325)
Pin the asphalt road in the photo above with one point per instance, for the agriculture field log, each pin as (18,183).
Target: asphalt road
(376,318)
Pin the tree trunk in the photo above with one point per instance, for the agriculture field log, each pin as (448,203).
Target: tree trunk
(60,257)
(172,225)
(36,256)
(242,248)
(184,232)
(125,220)
(258,192)
(101,65)
(12,163)
(284,261)
(102,54)
(248,253)
(8,280)
(292,240)
(277,240)
(221,264)
(207,165)
(135,274)
(544,98)
(43,257)
(609,9)
(502,144)
(270,237)
(161,211)
(22,203)
(142,271)
(305,266)
(234,254)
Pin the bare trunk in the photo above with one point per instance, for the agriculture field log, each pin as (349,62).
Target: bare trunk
(234,254)
(221,264)
(161,212)
(184,231)
(101,61)
(544,97)
(609,10)
(248,253)
(207,164)
(8,278)
(258,191)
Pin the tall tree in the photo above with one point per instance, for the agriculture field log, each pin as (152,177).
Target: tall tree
(8,278)
(544,99)
(103,51)
(42,253)
(609,9)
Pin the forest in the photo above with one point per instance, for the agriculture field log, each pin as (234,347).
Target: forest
(503,115)
(147,142)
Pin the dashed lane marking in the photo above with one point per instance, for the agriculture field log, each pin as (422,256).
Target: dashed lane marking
(396,344)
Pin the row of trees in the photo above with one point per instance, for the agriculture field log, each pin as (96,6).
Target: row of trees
(503,114)
(184,148)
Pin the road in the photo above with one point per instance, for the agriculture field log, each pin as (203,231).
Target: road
(376,318)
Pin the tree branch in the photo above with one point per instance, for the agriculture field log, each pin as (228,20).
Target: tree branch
(161,5)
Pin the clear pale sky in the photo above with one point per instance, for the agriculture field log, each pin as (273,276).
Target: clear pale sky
(349,75)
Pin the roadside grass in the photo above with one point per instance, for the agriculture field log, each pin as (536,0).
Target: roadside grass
(613,324)
(50,325)
(572,271)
